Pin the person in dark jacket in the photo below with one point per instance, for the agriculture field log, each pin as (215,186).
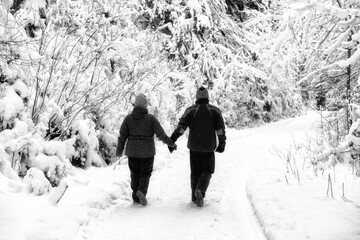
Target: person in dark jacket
(137,131)
(205,121)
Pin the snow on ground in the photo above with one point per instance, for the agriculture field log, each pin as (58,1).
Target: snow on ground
(305,209)
(98,205)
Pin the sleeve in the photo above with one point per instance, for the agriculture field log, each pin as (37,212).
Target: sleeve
(160,133)
(220,130)
(124,134)
(182,125)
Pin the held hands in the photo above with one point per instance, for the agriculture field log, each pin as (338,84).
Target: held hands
(172,148)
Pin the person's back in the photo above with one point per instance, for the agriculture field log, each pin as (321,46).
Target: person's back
(205,122)
(137,134)
(139,125)
(203,119)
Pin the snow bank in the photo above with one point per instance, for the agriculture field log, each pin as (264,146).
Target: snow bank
(25,216)
(295,203)
(304,210)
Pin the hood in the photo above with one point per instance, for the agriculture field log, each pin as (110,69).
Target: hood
(139,113)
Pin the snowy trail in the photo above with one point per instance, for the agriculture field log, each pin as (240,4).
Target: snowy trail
(170,215)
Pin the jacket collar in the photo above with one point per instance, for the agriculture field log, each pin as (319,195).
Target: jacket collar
(202,101)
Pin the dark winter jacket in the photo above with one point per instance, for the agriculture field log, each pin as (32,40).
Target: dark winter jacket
(205,122)
(137,131)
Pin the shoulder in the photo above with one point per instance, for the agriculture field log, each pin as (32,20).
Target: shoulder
(127,118)
(190,109)
(151,117)
(125,123)
(214,109)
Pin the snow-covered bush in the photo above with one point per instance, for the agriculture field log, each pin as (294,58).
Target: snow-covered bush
(5,165)
(86,145)
(53,168)
(25,149)
(31,151)
(37,182)
(333,144)
(107,142)
(321,152)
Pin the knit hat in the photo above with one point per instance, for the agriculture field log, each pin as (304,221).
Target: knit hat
(202,93)
(141,101)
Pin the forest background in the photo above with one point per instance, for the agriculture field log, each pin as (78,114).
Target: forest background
(70,69)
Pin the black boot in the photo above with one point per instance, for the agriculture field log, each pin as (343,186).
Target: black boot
(135,198)
(199,198)
(142,198)
(193,197)
(204,182)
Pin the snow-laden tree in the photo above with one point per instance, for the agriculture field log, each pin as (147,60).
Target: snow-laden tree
(70,70)
(216,45)
(320,40)
(93,58)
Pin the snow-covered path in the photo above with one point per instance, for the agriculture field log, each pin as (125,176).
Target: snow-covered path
(170,215)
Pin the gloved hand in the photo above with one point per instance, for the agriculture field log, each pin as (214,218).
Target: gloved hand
(116,159)
(172,148)
(220,149)
(118,155)
(116,162)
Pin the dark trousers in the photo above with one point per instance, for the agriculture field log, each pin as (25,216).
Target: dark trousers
(202,166)
(140,173)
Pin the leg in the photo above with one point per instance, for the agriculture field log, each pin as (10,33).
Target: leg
(145,174)
(204,182)
(207,169)
(146,170)
(135,198)
(195,172)
(134,167)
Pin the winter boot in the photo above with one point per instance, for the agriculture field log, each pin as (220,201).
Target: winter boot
(135,198)
(193,198)
(199,198)
(142,198)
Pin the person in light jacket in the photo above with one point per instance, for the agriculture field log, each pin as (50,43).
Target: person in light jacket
(137,137)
